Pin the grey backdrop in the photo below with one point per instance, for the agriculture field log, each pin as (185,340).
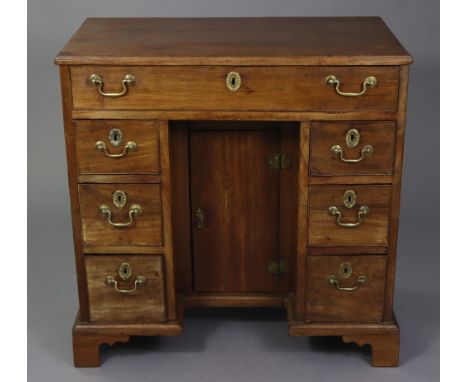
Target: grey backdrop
(230,345)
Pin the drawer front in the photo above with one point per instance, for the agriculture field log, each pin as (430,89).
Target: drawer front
(345,288)
(297,88)
(126,288)
(347,215)
(117,147)
(135,207)
(352,148)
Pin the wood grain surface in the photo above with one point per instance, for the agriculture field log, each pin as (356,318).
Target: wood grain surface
(326,303)
(277,88)
(146,229)
(323,229)
(227,41)
(146,304)
(144,160)
(201,145)
(324,135)
(229,176)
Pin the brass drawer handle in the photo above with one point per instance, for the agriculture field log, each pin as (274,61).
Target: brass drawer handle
(111,281)
(369,82)
(96,79)
(130,146)
(135,210)
(334,211)
(337,151)
(361,280)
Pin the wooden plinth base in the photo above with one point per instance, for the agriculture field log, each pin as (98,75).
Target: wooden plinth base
(385,347)
(86,348)
(88,338)
(384,337)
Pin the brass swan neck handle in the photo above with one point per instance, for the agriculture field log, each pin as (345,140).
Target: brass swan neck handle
(334,211)
(96,79)
(111,281)
(369,82)
(135,210)
(361,280)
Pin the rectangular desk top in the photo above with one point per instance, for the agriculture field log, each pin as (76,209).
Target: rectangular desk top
(234,41)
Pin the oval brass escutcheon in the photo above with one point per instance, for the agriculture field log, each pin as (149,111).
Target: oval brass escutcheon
(346,270)
(125,271)
(352,138)
(115,137)
(349,199)
(233,81)
(119,198)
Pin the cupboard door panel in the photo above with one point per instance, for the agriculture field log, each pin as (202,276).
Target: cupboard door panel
(235,210)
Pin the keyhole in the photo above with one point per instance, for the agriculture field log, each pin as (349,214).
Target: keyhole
(233,81)
(346,270)
(119,198)
(115,137)
(353,137)
(125,271)
(350,199)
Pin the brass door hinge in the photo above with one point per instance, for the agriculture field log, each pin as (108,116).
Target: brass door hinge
(278,267)
(280,162)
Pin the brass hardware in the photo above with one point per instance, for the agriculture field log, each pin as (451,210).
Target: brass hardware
(125,271)
(111,281)
(280,162)
(130,146)
(349,201)
(96,80)
(119,198)
(283,267)
(352,138)
(273,267)
(361,280)
(115,137)
(278,267)
(334,211)
(233,81)
(369,82)
(346,270)
(200,218)
(337,151)
(349,198)
(135,210)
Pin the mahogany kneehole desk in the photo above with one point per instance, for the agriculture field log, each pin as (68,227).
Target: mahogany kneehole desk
(235,162)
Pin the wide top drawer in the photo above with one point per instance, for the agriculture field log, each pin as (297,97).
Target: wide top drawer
(273,88)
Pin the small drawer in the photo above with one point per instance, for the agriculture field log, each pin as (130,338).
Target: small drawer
(116,147)
(352,148)
(267,88)
(346,215)
(121,214)
(125,288)
(345,288)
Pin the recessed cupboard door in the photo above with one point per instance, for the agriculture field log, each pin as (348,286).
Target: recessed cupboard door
(235,210)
